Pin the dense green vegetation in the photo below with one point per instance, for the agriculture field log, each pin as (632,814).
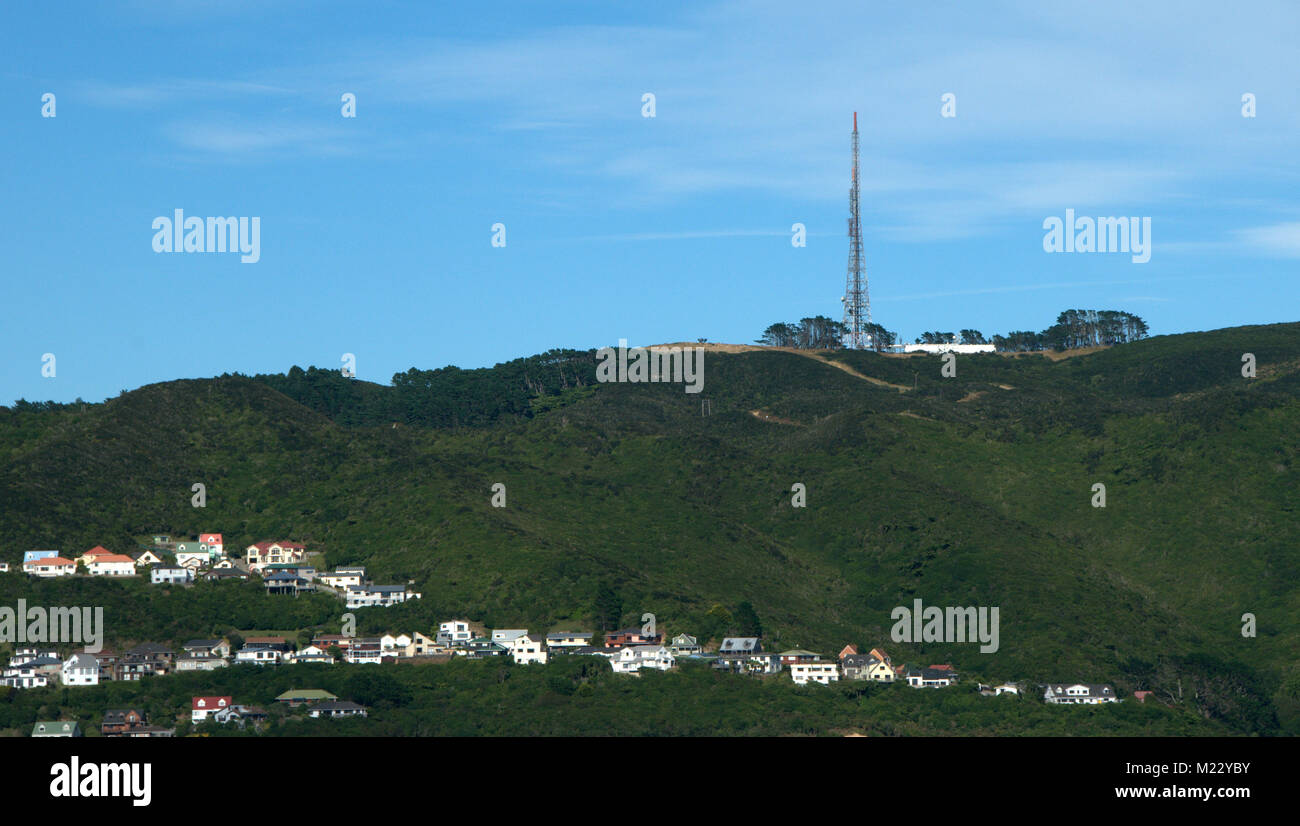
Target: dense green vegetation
(623,498)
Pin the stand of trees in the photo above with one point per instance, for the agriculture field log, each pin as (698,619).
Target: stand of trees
(1077,328)
(821,333)
(1073,329)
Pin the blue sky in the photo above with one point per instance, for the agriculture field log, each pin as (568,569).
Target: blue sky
(376,231)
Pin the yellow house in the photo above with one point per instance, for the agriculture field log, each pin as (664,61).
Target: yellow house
(879,668)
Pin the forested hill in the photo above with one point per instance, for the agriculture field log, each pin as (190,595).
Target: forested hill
(974,490)
(446,397)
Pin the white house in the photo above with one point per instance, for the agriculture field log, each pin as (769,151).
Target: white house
(454,632)
(4,567)
(202,707)
(81,669)
(50,566)
(528,648)
(394,646)
(259,655)
(384,596)
(1063,694)
(815,672)
(112,565)
(27,675)
(192,559)
(27,653)
(310,654)
(170,574)
(199,661)
(635,657)
(932,677)
(343,578)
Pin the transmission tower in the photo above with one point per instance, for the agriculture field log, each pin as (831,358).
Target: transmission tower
(857,305)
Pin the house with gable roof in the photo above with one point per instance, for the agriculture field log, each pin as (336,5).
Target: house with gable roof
(203,707)
(528,648)
(58,728)
(81,669)
(112,565)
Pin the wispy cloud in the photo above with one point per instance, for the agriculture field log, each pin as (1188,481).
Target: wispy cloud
(1279,240)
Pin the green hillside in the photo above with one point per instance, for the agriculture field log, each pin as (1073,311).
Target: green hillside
(623,498)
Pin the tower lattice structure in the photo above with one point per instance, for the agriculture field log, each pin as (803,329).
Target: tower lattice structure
(857,304)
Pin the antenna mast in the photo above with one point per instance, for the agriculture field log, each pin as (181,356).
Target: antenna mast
(857,304)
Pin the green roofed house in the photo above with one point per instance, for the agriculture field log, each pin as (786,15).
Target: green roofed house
(60,728)
(302,696)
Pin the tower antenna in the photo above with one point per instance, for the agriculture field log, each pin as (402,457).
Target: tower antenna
(857,304)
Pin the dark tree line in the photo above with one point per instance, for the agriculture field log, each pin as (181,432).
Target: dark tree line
(1077,328)
(967,337)
(821,333)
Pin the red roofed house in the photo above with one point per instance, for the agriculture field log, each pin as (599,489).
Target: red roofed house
(215,544)
(201,707)
(50,566)
(847,650)
(1141,696)
(112,565)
